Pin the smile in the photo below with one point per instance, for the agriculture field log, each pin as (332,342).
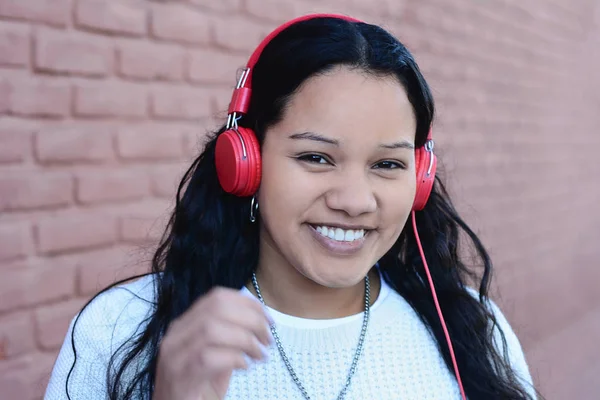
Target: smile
(339,241)
(340,235)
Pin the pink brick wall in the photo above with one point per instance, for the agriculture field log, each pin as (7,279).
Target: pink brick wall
(102,104)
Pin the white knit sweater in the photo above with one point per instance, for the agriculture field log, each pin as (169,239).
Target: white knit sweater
(400,359)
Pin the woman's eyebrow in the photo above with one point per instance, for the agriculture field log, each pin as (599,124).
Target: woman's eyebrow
(403,144)
(314,136)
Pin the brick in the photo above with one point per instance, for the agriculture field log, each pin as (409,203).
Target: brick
(75,232)
(149,143)
(24,285)
(139,229)
(387,8)
(213,66)
(237,33)
(12,374)
(229,6)
(274,10)
(106,186)
(74,53)
(220,103)
(192,143)
(16,334)
(149,207)
(100,100)
(151,61)
(179,23)
(165,180)
(70,144)
(302,8)
(39,97)
(55,12)
(26,377)
(115,16)
(180,103)
(15,240)
(40,373)
(27,190)
(103,268)
(52,322)
(15,378)
(70,267)
(16,145)
(5,93)
(15,44)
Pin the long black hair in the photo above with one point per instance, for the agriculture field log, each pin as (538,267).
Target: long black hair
(196,253)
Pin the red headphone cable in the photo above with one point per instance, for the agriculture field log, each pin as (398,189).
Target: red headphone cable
(439,310)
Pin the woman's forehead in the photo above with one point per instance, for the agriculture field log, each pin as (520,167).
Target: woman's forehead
(347,102)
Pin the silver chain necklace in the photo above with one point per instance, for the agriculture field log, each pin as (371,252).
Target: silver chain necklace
(359,348)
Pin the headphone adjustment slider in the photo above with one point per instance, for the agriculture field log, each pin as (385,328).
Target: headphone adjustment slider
(429,144)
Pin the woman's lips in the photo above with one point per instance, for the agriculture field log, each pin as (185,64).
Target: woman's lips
(336,246)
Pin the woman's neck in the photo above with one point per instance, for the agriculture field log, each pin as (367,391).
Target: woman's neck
(286,290)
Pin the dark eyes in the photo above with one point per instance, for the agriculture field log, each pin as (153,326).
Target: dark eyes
(388,165)
(314,159)
(323,160)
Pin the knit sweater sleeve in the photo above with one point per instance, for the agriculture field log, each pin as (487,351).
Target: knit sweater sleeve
(96,333)
(513,351)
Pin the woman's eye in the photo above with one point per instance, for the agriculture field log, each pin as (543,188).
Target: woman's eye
(314,159)
(389,165)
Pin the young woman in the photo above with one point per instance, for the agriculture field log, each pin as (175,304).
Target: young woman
(312,252)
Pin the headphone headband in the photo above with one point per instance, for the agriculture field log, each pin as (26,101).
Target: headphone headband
(240,100)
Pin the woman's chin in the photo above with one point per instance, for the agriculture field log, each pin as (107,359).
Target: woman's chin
(336,279)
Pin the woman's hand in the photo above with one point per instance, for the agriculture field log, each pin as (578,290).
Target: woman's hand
(205,344)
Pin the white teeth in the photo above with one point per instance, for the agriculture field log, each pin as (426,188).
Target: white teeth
(341,235)
(349,236)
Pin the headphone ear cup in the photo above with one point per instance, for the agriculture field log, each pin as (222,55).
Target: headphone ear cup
(254,164)
(238,162)
(424,180)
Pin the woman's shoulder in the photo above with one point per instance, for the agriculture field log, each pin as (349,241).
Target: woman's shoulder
(507,343)
(118,313)
(126,303)
(502,322)
(502,325)
(131,294)
(96,332)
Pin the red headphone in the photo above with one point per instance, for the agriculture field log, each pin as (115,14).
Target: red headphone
(238,162)
(238,152)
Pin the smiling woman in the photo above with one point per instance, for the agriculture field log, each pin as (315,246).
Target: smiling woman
(289,268)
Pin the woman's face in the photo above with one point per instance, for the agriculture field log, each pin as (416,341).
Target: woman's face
(338,177)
